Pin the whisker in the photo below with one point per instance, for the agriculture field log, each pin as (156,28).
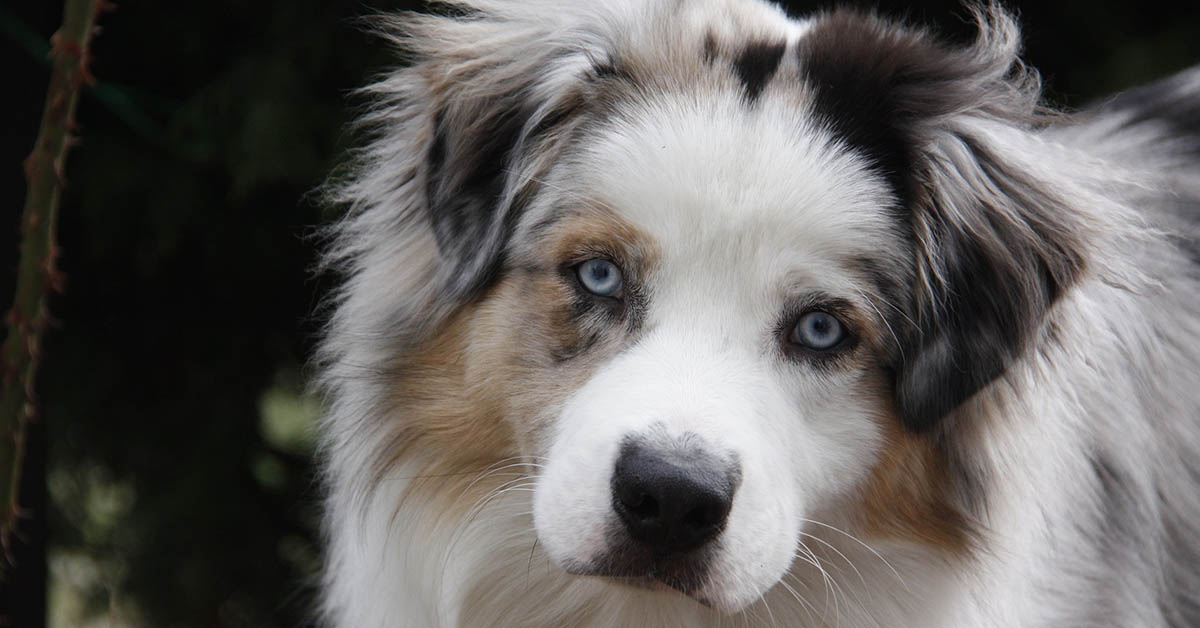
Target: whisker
(840,554)
(804,604)
(426,476)
(899,347)
(867,547)
(866,587)
(492,469)
(899,311)
(529,568)
(826,579)
(767,605)
(474,511)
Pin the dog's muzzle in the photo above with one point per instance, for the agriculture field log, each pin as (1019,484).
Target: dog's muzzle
(671,503)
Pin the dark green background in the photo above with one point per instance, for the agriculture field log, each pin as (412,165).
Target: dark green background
(173,501)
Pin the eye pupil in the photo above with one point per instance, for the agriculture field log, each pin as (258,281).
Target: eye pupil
(818,331)
(600,277)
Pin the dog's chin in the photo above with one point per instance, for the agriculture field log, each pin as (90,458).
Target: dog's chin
(666,576)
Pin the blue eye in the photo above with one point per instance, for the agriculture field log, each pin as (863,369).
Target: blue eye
(600,277)
(818,331)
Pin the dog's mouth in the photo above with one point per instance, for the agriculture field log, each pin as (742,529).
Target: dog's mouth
(659,584)
(633,565)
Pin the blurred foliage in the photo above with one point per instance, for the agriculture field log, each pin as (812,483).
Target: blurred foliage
(180,472)
(180,446)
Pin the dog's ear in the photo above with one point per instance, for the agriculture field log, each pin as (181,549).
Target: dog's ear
(467,172)
(457,138)
(993,246)
(494,101)
(994,249)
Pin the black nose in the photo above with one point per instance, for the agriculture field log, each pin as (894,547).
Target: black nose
(672,501)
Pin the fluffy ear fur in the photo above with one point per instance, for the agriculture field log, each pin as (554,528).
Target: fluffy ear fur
(454,140)
(495,93)
(994,252)
(992,244)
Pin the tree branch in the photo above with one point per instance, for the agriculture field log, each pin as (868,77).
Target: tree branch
(37,273)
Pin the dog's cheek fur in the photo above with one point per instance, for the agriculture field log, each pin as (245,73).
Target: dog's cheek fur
(525,328)
(910,493)
(908,496)
(477,391)
(486,385)
(440,411)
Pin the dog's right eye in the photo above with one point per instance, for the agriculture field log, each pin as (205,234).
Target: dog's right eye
(818,331)
(600,277)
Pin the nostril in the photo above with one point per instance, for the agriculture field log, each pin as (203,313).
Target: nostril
(700,516)
(635,500)
(645,507)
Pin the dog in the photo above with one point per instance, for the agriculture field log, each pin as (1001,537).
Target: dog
(661,313)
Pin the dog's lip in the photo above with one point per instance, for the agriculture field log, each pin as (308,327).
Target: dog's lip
(655,579)
(660,585)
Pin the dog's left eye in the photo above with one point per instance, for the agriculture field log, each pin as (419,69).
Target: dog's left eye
(600,277)
(819,331)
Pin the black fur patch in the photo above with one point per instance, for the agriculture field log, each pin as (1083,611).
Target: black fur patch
(465,179)
(1004,265)
(568,108)
(710,48)
(873,82)
(757,64)
(611,69)
(435,161)
(468,162)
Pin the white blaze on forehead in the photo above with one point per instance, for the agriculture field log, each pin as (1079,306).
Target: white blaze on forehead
(754,188)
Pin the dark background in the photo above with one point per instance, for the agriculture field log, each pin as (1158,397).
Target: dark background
(179,468)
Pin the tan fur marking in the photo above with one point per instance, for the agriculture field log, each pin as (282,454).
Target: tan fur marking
(908,494)
(485,386)
(436,405)
(598,230)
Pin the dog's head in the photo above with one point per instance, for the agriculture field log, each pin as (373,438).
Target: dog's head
(716,273)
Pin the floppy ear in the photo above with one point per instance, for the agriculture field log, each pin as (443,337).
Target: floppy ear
(994,250)
(456,139)
(993,245)
(467,174)
(497,93)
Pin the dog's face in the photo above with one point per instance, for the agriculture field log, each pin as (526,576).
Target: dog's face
(720,285)
(712,300)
